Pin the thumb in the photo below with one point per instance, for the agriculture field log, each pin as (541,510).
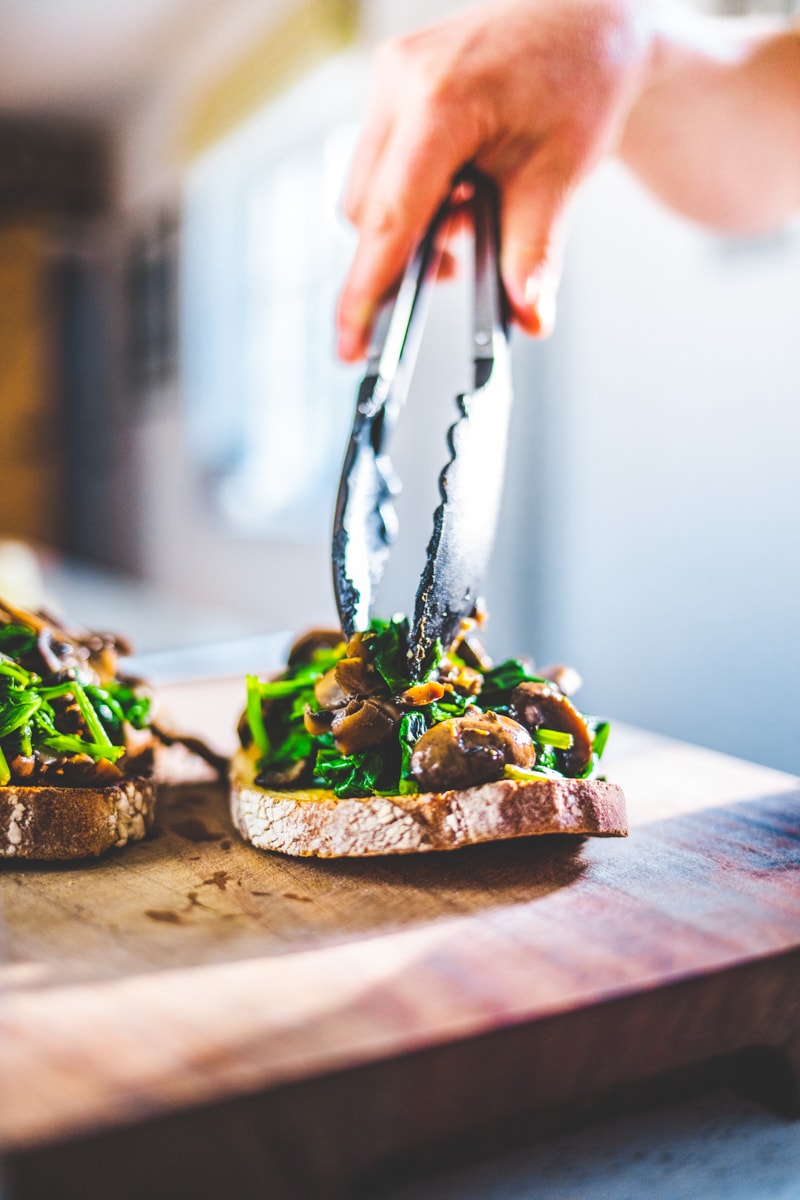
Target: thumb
(532,217)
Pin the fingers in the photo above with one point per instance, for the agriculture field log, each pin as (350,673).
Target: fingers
(368,151)
(530,91)
(534,204)
(413,176)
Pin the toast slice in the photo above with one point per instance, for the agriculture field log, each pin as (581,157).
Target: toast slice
(59,823)
(316,822)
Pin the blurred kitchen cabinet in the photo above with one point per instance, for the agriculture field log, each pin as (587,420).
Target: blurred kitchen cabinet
(31,445)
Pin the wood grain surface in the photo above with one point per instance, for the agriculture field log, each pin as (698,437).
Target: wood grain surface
(192,969)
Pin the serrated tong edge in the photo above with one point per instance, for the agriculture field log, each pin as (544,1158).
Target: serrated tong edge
(393,350)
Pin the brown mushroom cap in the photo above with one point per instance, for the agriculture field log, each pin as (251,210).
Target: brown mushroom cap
(317,723)
(465,751)
(357,677)
(328,691)
(284,774)
(543,706)
(316,639)
(356,673)
(361,725)
(466,680)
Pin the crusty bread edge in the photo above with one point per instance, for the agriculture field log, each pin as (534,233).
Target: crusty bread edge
(59,823)
(317,823)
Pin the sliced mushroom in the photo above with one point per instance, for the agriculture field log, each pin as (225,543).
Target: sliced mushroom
(317,639)
(23,766)
(361,725)
(105,771)
(317,723)
(466,680)
(466,645)
(81,769)
(422,693)
(465,751)
(355,672)
(282,775)
(58,653)
(543,706)
(328,691)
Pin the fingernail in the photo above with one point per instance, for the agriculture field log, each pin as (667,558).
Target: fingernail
(540,295)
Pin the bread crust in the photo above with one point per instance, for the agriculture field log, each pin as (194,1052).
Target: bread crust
(57,823)
(315,822)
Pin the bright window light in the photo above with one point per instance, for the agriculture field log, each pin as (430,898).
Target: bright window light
(265,253)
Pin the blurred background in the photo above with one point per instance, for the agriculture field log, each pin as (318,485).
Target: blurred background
(174,418)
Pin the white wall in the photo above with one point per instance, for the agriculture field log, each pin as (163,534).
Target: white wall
(665,558)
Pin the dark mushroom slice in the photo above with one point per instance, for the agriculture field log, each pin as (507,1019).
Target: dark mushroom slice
(62,651)
(467,645)
(543,706)
(466,751)
(316,639)
(361,725)
(470,650)
(466,680)
(60,654)
(81,770)
(317,723)
(328,692)
(104,772)
(284,773)
(355,672)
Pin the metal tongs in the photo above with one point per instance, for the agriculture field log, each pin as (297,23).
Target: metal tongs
(365,522)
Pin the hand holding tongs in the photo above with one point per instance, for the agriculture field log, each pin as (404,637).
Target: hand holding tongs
(365,522)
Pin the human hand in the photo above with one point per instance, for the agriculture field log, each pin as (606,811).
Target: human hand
(532,93)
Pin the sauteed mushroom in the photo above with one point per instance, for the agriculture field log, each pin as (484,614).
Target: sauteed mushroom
(280,776)
(361,725)
(466,680)
(465,751)
(317,639)
(355,673)
(328,691)
(319,722)
(420,694)
(542,706)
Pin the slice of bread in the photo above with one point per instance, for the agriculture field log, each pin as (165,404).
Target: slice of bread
(316,822)
(74,822)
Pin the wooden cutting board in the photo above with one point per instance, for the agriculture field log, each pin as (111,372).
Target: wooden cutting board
(399,999)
